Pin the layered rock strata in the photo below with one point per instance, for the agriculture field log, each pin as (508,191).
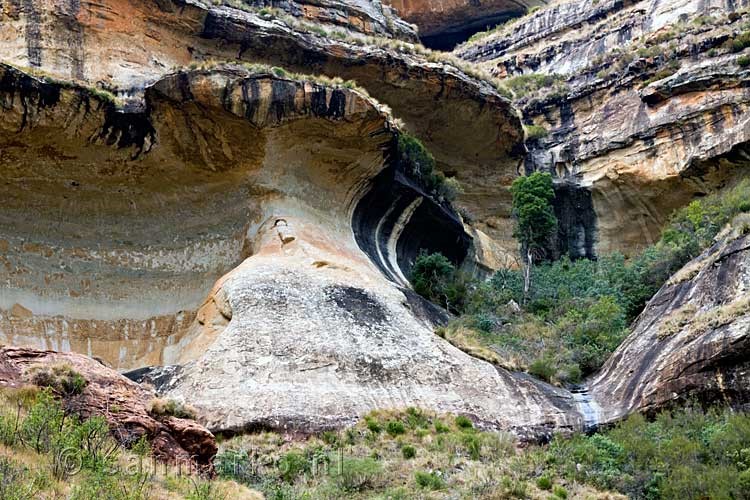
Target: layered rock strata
(307,331)
(646,108)
(473,132)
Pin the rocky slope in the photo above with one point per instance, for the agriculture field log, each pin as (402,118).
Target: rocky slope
(124,404)
(692,341)
(646,107)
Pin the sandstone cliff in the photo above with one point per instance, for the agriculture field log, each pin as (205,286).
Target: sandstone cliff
(187,186)
(644,108)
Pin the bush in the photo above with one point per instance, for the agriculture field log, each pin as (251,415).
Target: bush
(689,453)
(740,42)
(441,427)
(408,452)
(560,492)
(543,368)
(435,278)
(429,480)
(463,422)
(544,483)
(534,132)
(743,61)
(62,379)
(373,425)
(522,85)
(292,465)
(357,474)
(395,428)
(161,407)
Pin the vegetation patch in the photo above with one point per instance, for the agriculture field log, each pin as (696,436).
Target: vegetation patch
(161,407)
(47,453)
(61,378)
(575,313)
(416,159)
(637,458)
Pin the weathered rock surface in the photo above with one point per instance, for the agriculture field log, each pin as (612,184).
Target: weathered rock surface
(473,132)
(123,403)
(446,23)
(691,343)
(307,332)
(651,110)
(339,343)
(370,17)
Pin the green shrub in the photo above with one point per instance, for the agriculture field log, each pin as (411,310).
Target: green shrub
(17,482)
(560,492)
(62,379)
(688,453)
(416,418)
(330,438)
(473,446)
(408,452)
(543,368)
(395,428)
(292,465)
(544,483)
(435,278)
(463,422)
(234,465)
(357,474)
(441,427)
(522,85)
(373,425)
(740,42)
(534,132)
(743,61)
(429,480)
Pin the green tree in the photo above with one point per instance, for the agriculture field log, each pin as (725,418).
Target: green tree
(535,217)
(435,278)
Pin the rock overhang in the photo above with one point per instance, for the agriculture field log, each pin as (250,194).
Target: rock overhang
(474,132)
(104,228)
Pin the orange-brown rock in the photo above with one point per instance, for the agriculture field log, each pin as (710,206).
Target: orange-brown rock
(123,403)
(444,23)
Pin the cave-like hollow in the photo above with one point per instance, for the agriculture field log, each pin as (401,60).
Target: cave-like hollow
(116,225)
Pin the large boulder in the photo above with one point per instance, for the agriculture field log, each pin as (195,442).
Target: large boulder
(123,403)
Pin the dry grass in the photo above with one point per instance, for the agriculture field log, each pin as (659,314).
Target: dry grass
(162,407)
(719,316)
(468,341)
(676,321)
(467,463)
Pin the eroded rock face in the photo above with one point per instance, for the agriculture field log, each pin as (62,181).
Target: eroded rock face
(691,343)
(444,24)
(307,332)
(115,237)
(647,116)
(340,342)
(123,403)
(474,133)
